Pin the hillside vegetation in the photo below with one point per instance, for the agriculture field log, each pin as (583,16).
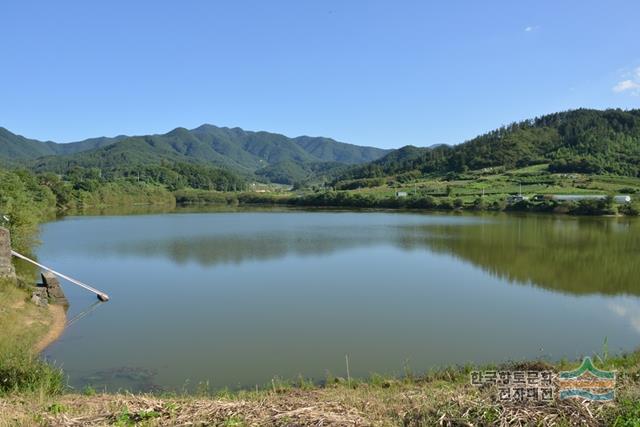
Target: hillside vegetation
(573,152)
(583,141)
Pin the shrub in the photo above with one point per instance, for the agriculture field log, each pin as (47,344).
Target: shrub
(21,371)
(427,202)
(446,204)
(594,207)
(630,209)
(479,204)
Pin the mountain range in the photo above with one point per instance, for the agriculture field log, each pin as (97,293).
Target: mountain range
(270,155)
(584,140)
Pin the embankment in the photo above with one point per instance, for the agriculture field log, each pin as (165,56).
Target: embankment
(58,320)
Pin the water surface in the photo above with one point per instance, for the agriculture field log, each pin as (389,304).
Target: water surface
(237,298)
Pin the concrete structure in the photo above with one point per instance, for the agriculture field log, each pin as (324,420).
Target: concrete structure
(6,267)
(515,198)
(54,290)
(620,199)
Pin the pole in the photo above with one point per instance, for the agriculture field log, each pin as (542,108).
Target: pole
(101,295)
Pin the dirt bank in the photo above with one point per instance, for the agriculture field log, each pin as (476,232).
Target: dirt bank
(58,317)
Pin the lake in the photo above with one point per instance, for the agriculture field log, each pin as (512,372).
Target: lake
(237,298)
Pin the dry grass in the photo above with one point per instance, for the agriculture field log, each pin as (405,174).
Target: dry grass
(20,321)
(415,403)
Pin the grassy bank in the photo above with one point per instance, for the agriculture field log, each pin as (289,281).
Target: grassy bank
(23,326)
(441,397)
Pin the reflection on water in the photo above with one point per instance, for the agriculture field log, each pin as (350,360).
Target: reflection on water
(576,255)
(237,297)
(237,248)
(84,313)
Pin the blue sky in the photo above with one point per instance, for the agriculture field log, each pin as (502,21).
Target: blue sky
(381,73)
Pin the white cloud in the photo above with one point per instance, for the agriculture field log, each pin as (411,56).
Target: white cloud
(627,85)
(531,28)
(627,310)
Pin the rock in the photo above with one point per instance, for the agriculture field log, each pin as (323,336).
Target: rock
(39,297)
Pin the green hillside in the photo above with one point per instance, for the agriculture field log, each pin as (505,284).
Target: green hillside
(16,149)
(290,172)
(581,141)
(87,144)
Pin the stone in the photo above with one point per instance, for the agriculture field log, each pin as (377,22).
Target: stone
(40,297)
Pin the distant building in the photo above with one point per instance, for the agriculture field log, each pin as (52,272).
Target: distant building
(620,199)
(576,197)
(401,194)
(515,198)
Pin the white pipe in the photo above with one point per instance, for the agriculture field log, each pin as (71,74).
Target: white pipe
(101,295)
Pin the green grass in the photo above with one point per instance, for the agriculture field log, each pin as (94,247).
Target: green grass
(628,414)
(22,324)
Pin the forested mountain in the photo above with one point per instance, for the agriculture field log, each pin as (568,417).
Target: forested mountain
(289,172)
(16,149)
(244,152)
(587,141)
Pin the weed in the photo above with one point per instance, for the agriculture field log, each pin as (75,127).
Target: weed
(628,415)
(57,408)
(233,422)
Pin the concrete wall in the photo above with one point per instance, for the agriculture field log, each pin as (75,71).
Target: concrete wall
(6,268)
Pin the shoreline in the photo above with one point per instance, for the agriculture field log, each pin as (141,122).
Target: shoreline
(441,397)
(58,315)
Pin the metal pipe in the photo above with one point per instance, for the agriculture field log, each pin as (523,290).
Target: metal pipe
(101,295)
